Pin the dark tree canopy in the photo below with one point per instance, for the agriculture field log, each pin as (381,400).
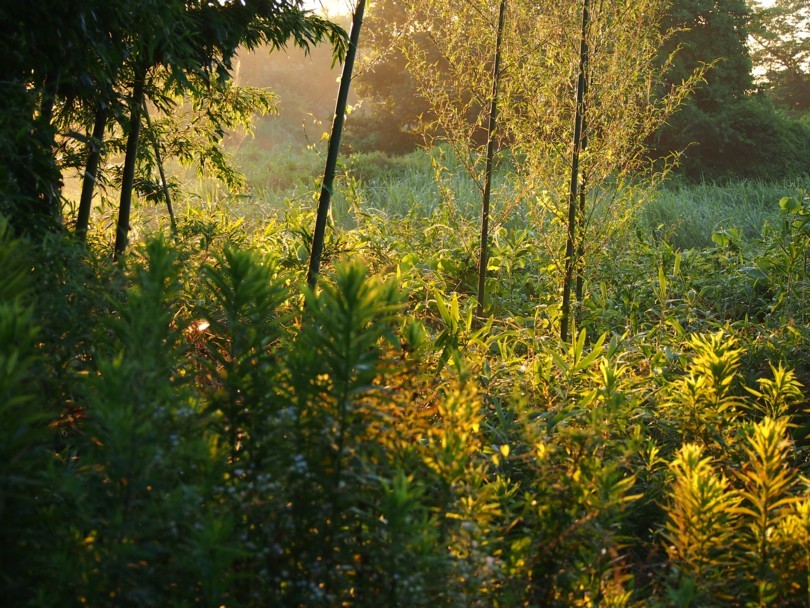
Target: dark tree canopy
(781,51)
(706,32)
(391,104)
(60,61)
(725,129)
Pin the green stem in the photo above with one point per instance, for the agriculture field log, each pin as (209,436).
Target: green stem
(159,161)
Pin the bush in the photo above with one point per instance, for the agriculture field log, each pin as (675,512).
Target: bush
(747,139)
(222,435)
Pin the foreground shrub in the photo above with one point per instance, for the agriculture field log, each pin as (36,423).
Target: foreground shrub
(237,439)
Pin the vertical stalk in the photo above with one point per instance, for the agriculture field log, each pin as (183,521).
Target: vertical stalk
(334,146)
(580,258)
(45,133)
(573,199)
(46,104)
(493,117)
(91,171)
(159,161)
(125,206)
(579,287)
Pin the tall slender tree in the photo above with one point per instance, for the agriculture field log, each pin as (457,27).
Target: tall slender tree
(164,184)
(461,81)
(575,224)
(135,108)
(490,153)
(92,165)
(546,54)
(327,184)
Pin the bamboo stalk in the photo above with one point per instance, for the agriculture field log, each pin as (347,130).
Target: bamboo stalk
(334,146)
(573,198)
(493,117)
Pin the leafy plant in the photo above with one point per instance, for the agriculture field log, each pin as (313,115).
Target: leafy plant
(23,424)
(700,529)
(767,479)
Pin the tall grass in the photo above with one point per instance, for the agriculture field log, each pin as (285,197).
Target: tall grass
(429,185)
(686,216)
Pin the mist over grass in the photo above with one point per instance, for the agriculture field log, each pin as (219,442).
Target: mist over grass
(681,213)
(283,162)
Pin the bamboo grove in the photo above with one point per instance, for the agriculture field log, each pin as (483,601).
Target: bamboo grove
(579,102)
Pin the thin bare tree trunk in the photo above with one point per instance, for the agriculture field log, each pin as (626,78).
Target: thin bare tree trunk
(49,203)
(581,216)
(91,172)
(128,180)
(573,198)
(159,160)
(334,146)
(493,117)
(580,257)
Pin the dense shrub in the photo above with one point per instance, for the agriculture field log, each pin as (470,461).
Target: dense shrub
(745,139)
(195,427)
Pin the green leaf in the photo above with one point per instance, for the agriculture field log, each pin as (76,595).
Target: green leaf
(789,204)
(721,238)
(754,273)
